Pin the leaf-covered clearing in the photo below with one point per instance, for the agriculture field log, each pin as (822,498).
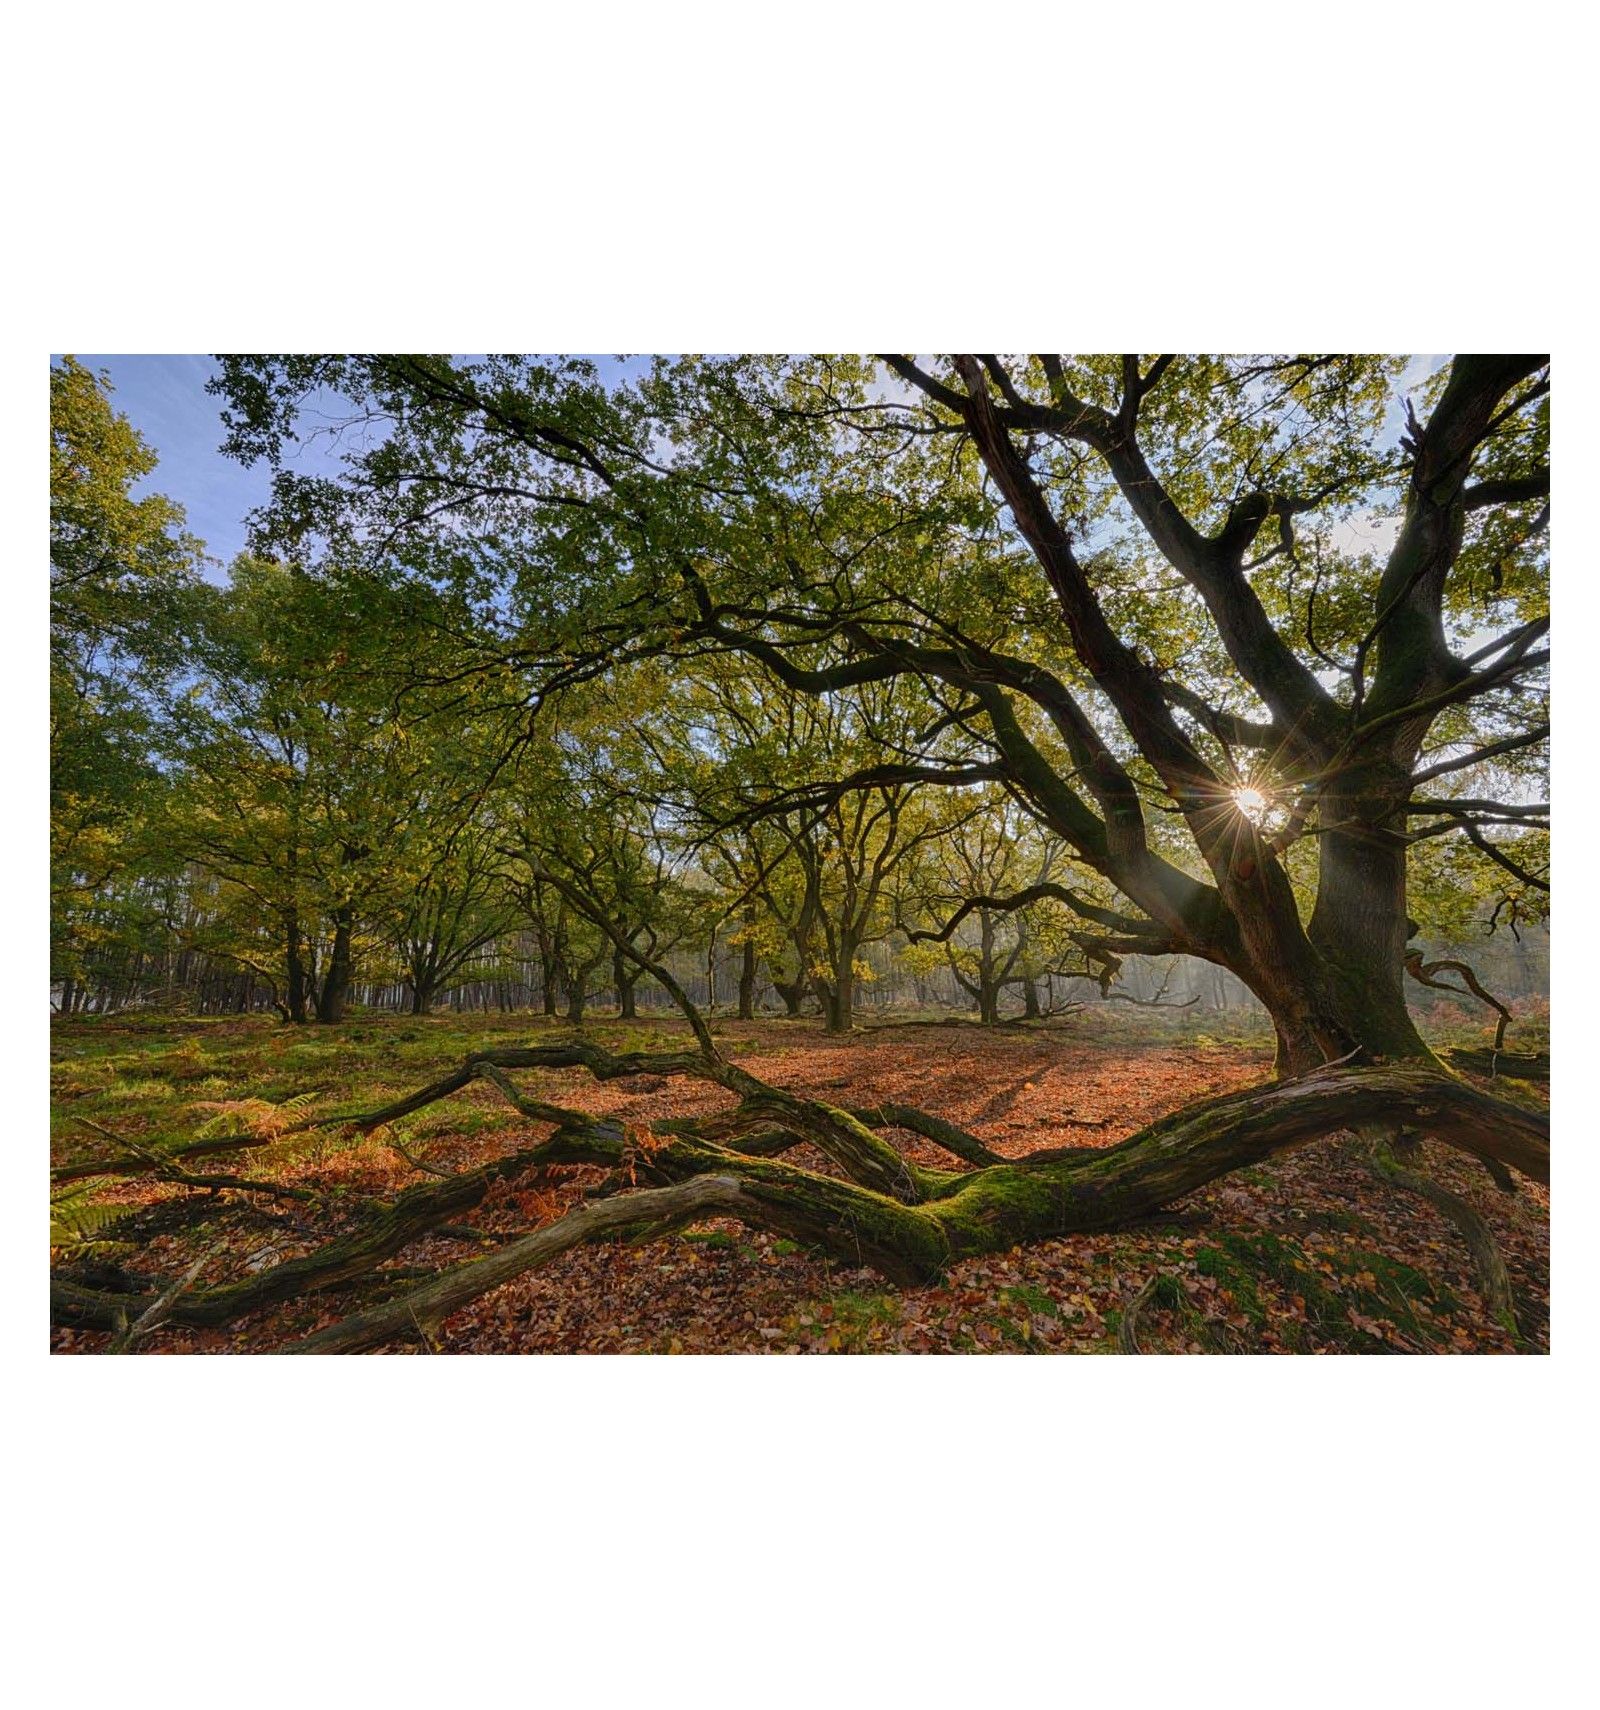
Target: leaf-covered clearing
(1313,1253)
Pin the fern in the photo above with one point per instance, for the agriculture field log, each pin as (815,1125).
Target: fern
(76,1220)
(253,1118)
(234,1118)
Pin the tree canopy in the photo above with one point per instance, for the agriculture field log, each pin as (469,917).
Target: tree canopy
(1017,675)
(1133,592)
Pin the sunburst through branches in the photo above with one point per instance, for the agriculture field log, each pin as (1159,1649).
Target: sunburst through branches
(1253,802)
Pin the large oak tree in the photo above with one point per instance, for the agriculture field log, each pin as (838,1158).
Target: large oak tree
(1124,586)
(1126,582)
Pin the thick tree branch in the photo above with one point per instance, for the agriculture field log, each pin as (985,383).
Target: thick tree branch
(1508,745)
(1467,805)
(420,1310)
(1413,658)
(1507,490)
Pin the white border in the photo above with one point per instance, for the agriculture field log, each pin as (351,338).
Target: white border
(994,1532)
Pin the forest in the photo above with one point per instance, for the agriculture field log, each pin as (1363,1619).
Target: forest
(1004,853)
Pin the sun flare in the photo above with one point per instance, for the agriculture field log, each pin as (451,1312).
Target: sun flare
(1250,801)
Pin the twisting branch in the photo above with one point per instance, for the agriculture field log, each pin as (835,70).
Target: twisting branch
(994,1207)
(1426,973)
(1470,828)
(1487,1262)
(420,1310)
(1138,937)
(413,1214)
(1496,854)
(1517,662)
(1047,890)
(957,1141)
(1478,807)
(1516,638)
(159,1309)
(906,1222)
(1229,728)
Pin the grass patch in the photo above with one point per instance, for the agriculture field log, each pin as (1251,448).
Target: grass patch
(852,1322)
(1238,1259)
(1031,1299)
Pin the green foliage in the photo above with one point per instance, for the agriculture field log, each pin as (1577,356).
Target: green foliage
(119,567)
(78,1220)
(756,652)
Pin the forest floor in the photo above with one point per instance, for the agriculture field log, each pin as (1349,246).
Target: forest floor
(1311,1253)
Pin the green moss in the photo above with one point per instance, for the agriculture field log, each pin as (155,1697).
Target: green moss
(1235,1279)
(1326,1310)
(852,1322)
(1345,1221)
(1392,1272)
(1031,1299)
(999,1206)
(1168,1293)
(1397,1291)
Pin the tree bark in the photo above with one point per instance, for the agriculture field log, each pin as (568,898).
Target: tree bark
(335,993)
(747,971)
(839,995)
(625,980)
(295,967)
(419,1310)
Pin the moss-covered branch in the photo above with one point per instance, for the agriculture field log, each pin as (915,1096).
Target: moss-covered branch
(906,1221)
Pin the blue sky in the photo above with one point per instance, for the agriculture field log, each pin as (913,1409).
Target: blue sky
(166,400)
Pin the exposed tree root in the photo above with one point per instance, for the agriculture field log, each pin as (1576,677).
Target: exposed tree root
(1127,1330)
(906,1221)
(1514,1065)
(1489,1266)
(420,1310)
(901,1218)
